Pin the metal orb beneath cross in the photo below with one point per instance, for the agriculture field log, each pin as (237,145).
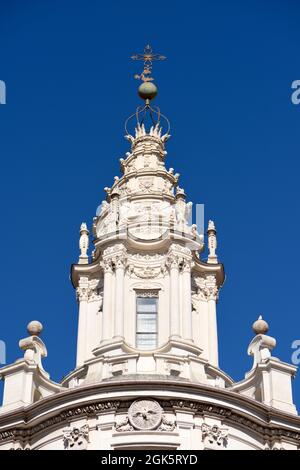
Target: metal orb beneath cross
(147,91)
(145,414)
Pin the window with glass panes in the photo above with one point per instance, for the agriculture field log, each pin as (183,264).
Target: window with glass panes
(146,320)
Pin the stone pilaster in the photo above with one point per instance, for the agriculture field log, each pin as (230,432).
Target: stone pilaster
(208,291)
(174,296)
(186,300)
(120,263)
(82,293)
(107,299)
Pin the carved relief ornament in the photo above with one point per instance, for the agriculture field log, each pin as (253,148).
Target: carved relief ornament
(87,294)
(89,291)
(145,415)
(214,435)
(206,288)
(76,438)
(146,272)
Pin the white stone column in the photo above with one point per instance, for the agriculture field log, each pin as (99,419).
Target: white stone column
(94,322)
(202,316)
(213,335)
(212,295)
(174,298)
(107,301)
(119,299)
(82,296)
(186,301)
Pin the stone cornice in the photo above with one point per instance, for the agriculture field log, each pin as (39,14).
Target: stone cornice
(78,270)
(198,408)
(204,269)
(256,417)
(162,242)
(144,172)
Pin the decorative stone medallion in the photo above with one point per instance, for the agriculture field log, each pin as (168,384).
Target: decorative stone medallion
(145,414)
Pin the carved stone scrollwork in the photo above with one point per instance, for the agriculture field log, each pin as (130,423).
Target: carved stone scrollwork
(146,185)
(146,272)
(146,266)
(166,424)
(214,436)
(124,425)
(146,258)
(76,438)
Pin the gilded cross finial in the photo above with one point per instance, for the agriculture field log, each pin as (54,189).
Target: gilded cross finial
(148,56)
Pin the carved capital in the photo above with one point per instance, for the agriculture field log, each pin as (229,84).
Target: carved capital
(187,265)
(179,257)
(82,294)
(207,288)
(114,257)
(89,290)
(107,265)
(120,261)
(174,261)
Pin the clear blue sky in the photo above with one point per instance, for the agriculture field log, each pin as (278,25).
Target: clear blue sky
(235,140)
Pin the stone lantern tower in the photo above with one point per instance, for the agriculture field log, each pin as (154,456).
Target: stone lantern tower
(147,373)
(147,301)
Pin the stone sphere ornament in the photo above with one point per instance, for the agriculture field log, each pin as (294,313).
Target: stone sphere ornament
(260,326)
(34,328)
(147,91)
